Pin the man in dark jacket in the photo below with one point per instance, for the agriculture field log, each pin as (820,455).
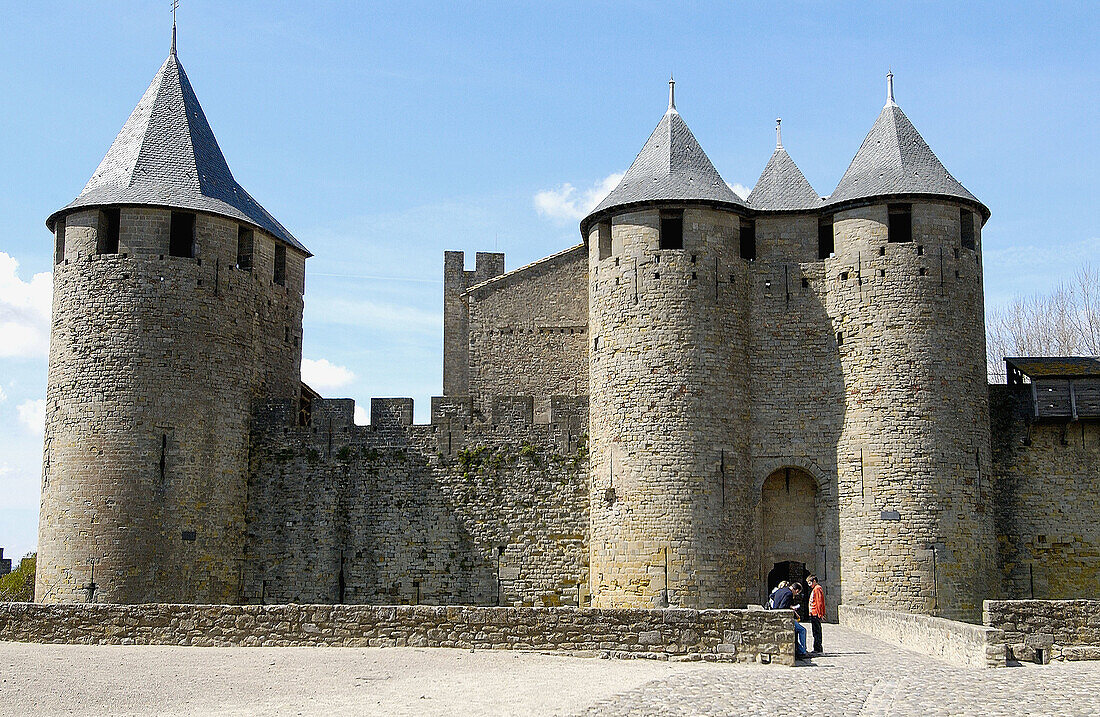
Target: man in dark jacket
(783,600)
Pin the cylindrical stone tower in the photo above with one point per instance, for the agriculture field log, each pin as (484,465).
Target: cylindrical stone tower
(671,523)
(906,300)
(177,306)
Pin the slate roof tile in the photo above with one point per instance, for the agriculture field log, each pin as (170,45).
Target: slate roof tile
(166,156)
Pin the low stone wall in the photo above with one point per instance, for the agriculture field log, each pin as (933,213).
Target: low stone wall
(959,643)
(1045,630)
(719,635)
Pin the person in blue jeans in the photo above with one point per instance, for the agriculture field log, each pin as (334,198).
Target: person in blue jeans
(786,599)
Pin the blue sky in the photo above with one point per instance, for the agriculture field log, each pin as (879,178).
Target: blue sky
(382,134)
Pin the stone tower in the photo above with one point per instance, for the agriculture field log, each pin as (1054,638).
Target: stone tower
(905,296)
(668,382)
(177,306)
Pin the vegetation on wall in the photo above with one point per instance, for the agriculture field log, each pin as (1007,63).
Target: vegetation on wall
(18,585)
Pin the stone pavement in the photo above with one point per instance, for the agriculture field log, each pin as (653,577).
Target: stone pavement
(857,676)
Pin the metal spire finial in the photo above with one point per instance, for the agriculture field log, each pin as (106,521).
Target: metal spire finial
(890,88)
(175,4)
(671,93)
(778,136)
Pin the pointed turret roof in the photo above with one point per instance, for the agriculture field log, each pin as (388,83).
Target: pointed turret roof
(782,186)
(671,167)
(895,159)
(166,156)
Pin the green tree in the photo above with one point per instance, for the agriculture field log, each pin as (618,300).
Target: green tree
(18,585)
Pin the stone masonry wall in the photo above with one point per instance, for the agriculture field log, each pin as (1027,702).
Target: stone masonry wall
(673,520)
(913,454)
(457,512)
(528,332)
(456,314)
(797,391)
(713,635)
(155,362)
(1045,630)
(959,643)
(1046,501)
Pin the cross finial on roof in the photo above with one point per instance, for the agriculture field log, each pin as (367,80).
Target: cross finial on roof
(890,88)
(175,4)
(778,136)
(671,93)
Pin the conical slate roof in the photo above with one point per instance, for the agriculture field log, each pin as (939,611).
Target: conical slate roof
(782,186)
(895,159)
(671,167)
(166,156)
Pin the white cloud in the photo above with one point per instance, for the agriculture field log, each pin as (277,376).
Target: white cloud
(566,203)
(32,414)
(24,311)
(323,375)
(362,418)
(740,190)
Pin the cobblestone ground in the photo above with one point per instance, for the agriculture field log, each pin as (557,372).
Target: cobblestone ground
(856,676)
(861,676)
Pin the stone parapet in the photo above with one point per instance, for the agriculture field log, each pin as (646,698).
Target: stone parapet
(958,643)
(712,635)
(1045,630)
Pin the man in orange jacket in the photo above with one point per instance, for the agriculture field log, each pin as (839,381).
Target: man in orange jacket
(817,610)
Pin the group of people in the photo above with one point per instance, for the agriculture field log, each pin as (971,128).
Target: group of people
(791,596)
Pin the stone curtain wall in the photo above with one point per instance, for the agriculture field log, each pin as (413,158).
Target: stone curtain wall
(959,643)
(1044,630)
(155,362)
(714,635)
(456,512)
(456,314)
(528,332)
(797,391)
(1047,501)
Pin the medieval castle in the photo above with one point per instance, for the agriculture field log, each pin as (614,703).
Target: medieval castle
(704,396)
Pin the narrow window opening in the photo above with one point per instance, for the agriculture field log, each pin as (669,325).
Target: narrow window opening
(672,229)
(244,248)
(882,272)
(181,240)
(656,275)
(286,334)
(839,339)
(956,253)
(844,276)
(279,273)
(693,275)
(805,283)
(825,245)
(882,251)
(900,228)
(923,271)
(748,239)
(693,258)
(107,241)
(920,250)
(603,232)
(966,229)
(596,344)
(59,241)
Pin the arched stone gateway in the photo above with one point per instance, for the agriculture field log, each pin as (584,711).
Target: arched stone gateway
(791,543)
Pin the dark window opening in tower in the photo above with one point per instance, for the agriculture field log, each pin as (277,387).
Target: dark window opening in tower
(900,228)
(244,248)
(825,247)
(603,230)
(672,229)
(748,239)
(278,275)
(107,240)
(966,227)
(181,240)
(59,241)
